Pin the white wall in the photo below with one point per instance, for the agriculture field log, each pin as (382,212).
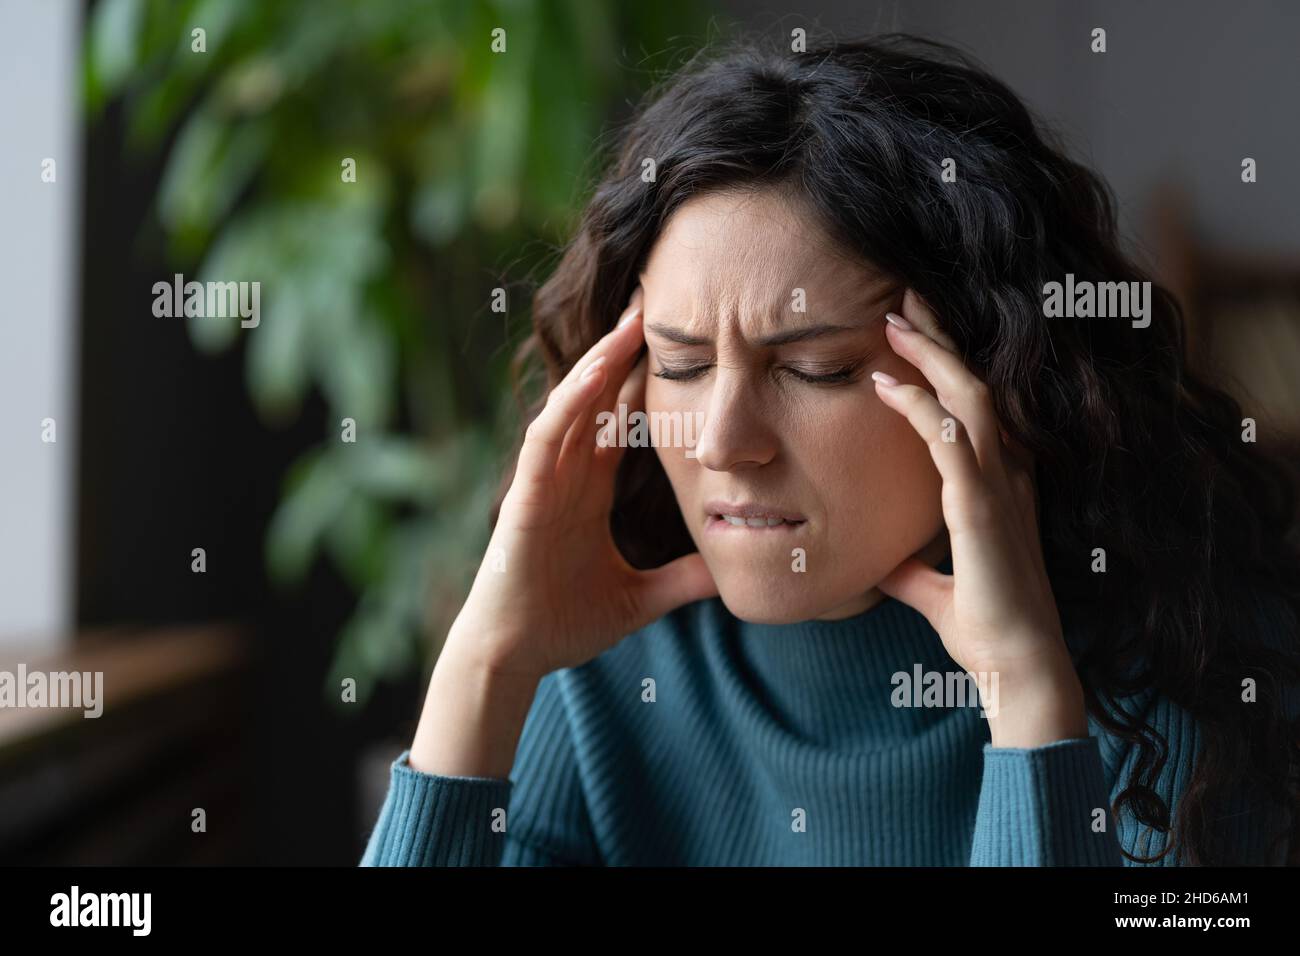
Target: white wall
(39,289)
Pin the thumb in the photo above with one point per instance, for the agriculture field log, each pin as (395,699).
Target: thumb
(676,583)
(919,586)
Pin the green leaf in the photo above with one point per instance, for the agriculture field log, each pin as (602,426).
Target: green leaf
(504,122)
(358,539)
(277,351)
(211,163)
(114,42)
(313,500)
(393,468)
(372,291)
(357,365)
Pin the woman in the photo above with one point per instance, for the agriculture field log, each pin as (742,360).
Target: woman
(744,651)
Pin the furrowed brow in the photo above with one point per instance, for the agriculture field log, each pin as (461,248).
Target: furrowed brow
(781,338)
(805,333)
(676,335)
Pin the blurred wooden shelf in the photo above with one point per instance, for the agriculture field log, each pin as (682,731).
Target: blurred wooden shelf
(136,665)
(175,734)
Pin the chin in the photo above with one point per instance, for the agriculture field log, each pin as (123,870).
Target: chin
(764,601)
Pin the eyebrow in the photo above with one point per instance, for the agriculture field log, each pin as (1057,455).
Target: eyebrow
(781,338)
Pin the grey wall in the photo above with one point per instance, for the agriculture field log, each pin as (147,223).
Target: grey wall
(1186,89)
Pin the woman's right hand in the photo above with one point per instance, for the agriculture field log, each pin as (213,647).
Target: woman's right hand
(553,591)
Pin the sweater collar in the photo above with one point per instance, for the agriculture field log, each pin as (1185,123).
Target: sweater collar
(839,683)
(886,638)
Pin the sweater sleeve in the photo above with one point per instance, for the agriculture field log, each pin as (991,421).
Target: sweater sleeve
(535,817)
(1038,807)
(1045,806)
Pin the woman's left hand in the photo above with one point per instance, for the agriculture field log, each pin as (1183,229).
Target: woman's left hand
(995,613)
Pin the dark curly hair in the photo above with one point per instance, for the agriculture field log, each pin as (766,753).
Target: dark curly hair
(1135,454)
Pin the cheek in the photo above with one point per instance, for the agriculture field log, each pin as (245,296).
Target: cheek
(662,397)
(654,394)
(876,478)
(853,441)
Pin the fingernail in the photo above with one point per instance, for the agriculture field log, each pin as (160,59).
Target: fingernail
(884,378)
(631,314)
(590,369)
(893,318)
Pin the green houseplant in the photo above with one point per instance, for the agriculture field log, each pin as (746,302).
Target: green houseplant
(380,167)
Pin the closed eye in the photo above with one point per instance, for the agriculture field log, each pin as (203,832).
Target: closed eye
(838,376)
(833,376)
(682,374)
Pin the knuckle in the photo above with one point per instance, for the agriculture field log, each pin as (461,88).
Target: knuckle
(950,432)
(1023,484)
(525,496)
(559,393)
(940,445)
(909,395)
(536,433)
(978,393)
(975,506)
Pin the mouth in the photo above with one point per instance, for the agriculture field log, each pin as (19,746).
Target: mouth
(731,517)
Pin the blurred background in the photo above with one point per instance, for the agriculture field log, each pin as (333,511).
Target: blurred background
(260,535)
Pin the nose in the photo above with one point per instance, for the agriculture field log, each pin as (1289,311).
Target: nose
(736,434)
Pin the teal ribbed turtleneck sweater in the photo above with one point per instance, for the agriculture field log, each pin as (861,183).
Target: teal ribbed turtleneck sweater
(705,740)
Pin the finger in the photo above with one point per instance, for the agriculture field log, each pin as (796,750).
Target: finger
(943,434)
(617,348)
(678,582)
(580,440)
(920,586)
(958,389)
(634,314)
(1024,491)
(630,399)
(544,437)
(623,339)
(923,319)
(594,440)
(1021,470)
(1021,456)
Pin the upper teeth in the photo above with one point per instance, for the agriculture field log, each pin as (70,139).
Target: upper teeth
(753,522)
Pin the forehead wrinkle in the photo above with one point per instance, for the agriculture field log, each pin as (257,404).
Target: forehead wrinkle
(742,265)
(746,314)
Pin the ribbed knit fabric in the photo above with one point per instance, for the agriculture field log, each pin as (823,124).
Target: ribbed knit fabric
(705,740)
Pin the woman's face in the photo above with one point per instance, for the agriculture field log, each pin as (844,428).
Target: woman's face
(757,328)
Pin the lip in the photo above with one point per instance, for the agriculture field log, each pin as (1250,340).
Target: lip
(714,510)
